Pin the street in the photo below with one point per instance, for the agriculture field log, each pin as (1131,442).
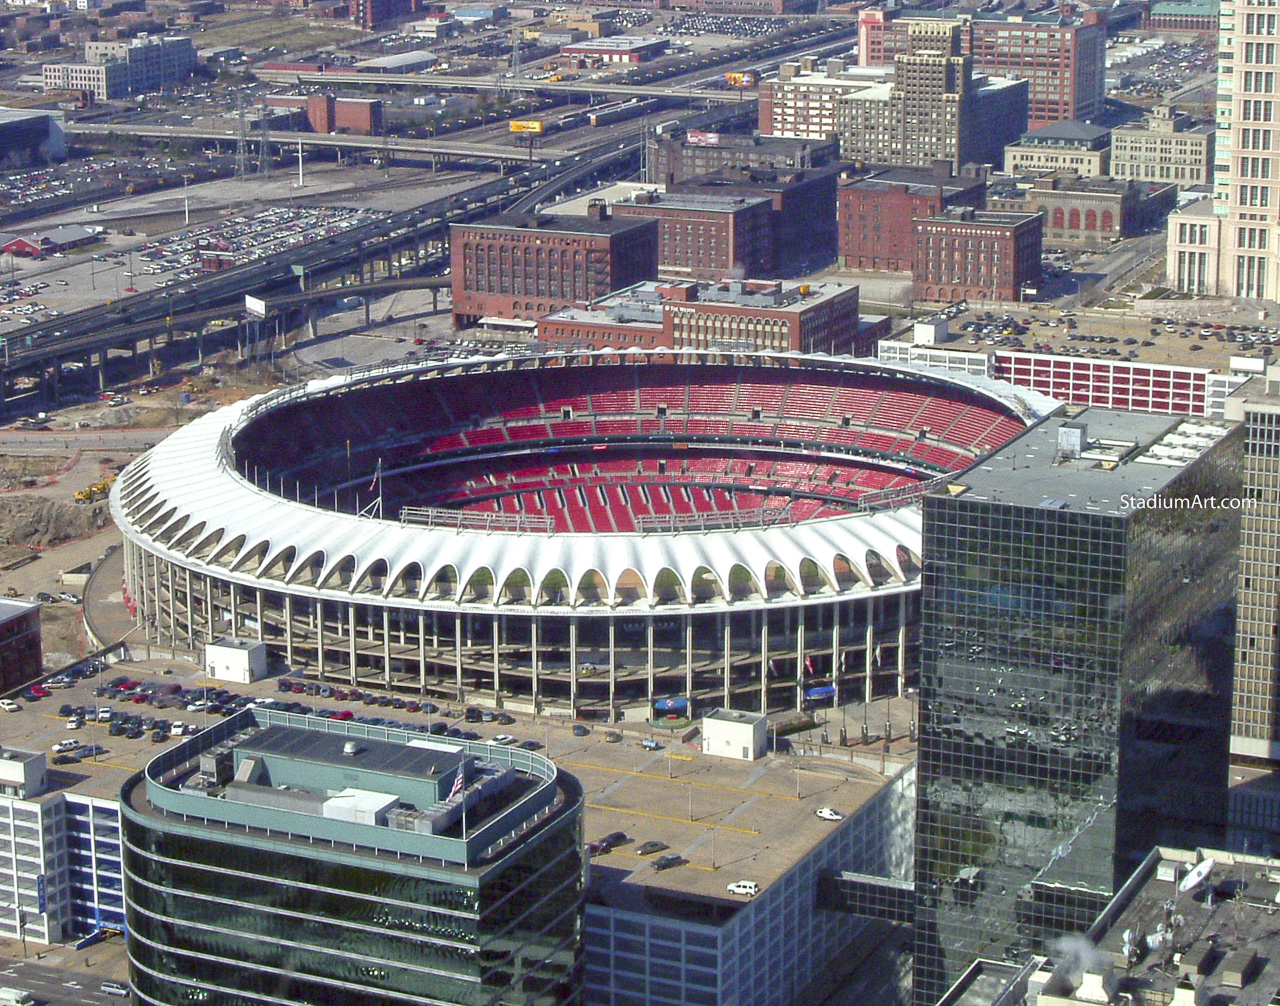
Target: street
(56,986)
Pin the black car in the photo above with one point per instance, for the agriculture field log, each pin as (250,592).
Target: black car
(614,839)
(668,861)
(159,736)
(580,731)
(283,685)
(137,733)
(506,719)
(66,759)
(469,735)
(439,727)
(428,707)
(117,729)
(531,745)
(161,725)
(66,709)
(473,715)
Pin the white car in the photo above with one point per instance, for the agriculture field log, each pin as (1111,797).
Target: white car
(75,722)
(9,706)
(67,745)
(829,814)
(104,714)
(747,888)
(502,739)
(66,595)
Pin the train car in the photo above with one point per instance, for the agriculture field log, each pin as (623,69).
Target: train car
(627,110)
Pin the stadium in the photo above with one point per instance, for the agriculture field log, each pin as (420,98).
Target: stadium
(595,534)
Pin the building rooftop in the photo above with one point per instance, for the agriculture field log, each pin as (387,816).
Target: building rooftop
(1216,942)
(11,607)
(1068,131)
(920,181)
(619,43)
(1186,8)
(732,820)
(1126,456)
(367,756)
(693,201)
(734,716)
(562,224)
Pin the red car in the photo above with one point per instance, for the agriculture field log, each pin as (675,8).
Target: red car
(343,714)
(41,691)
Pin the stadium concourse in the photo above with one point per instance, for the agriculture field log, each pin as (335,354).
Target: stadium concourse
(583,533)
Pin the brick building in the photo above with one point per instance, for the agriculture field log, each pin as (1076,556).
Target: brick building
(21,656)
(618,49)
(1087,212)
(368,14)
(1063,60)
(968,254)
(875,214)
(707,237)
(1062,146)
(526,265)
(804,209)
(1197,16)
(742,315)
(326,113)
(117,69)
(676,155)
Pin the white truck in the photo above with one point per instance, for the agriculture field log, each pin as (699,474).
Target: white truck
(15,997)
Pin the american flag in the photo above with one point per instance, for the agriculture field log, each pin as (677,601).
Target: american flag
(457,785)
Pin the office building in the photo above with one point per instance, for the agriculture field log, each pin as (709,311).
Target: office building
(876,213)
(525,266)
(707,237)
(1086,212)
(1062,58)
(1165,388)
(1068,145)
(122,68)
(21,656)
(1255,704)
(276,858)
(1072,706)
(745,315)
(676,155)
(935,109)
(800,103)
(1167,146)
(1238,256)
(804,209)
(968,254)
(679,938)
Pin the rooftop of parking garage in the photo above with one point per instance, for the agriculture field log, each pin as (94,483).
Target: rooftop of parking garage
(730,820)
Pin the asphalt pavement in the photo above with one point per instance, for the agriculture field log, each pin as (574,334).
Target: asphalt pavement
(59,986)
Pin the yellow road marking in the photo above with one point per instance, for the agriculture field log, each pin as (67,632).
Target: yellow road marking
(668,817)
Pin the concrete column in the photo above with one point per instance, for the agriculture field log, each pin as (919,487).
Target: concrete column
(649,641)
(386,645)
(351,640)
(258,610)
(688,656)
(235,609)
(457,655)
(871,648)
(496,658)
(422,652)
(288,629)
(191,613)
(319,609)
(764,661)
(613,669)
(573,664)
(727,642)
(800,654)
(902,644)
(534,624)
(102,370)
(836,664)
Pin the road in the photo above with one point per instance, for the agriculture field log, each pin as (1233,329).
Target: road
(56,986)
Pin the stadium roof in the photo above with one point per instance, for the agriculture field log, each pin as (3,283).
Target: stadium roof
(189,481)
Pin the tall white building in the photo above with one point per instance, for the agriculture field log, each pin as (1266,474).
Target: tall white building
(1237,252)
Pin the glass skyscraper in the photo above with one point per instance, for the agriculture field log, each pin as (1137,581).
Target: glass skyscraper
(1074,684)
(283,859)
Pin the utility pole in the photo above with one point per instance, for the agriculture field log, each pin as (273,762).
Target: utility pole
(264,151)
(242,139)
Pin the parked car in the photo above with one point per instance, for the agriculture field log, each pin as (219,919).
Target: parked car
(9,706)
(746,888)
(829,814)
(650,847)
(668,861)
(580,730)
(615,839)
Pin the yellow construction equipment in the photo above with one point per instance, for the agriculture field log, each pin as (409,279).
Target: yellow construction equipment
(96,491)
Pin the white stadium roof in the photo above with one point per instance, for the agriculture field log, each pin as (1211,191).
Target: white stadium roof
(185,501)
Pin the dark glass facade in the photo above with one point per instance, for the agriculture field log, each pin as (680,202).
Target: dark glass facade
(1073,698)
(216,918)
